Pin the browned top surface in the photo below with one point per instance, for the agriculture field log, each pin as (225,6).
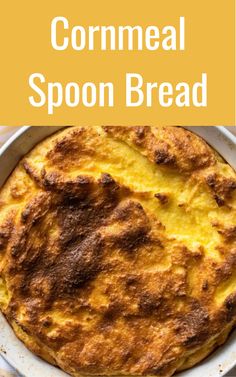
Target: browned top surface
(118,250)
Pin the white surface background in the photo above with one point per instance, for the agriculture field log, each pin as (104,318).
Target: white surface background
(5,369)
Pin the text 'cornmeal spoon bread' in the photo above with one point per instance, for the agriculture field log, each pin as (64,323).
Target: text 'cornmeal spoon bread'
(118,250)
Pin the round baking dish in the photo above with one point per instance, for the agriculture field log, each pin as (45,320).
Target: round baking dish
(219,363)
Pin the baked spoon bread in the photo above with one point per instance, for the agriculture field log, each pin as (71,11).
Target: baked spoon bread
(118,250)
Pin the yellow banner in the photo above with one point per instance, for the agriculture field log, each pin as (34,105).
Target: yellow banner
(131,62)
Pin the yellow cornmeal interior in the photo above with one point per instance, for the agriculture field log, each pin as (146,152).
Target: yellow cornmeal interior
(187,216)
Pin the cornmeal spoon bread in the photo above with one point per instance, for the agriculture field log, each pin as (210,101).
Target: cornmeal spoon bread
(118,250)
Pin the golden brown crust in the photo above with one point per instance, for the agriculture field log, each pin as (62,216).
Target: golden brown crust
(118,250)
(171,147)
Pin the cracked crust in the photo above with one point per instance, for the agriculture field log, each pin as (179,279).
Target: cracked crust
(118,250)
